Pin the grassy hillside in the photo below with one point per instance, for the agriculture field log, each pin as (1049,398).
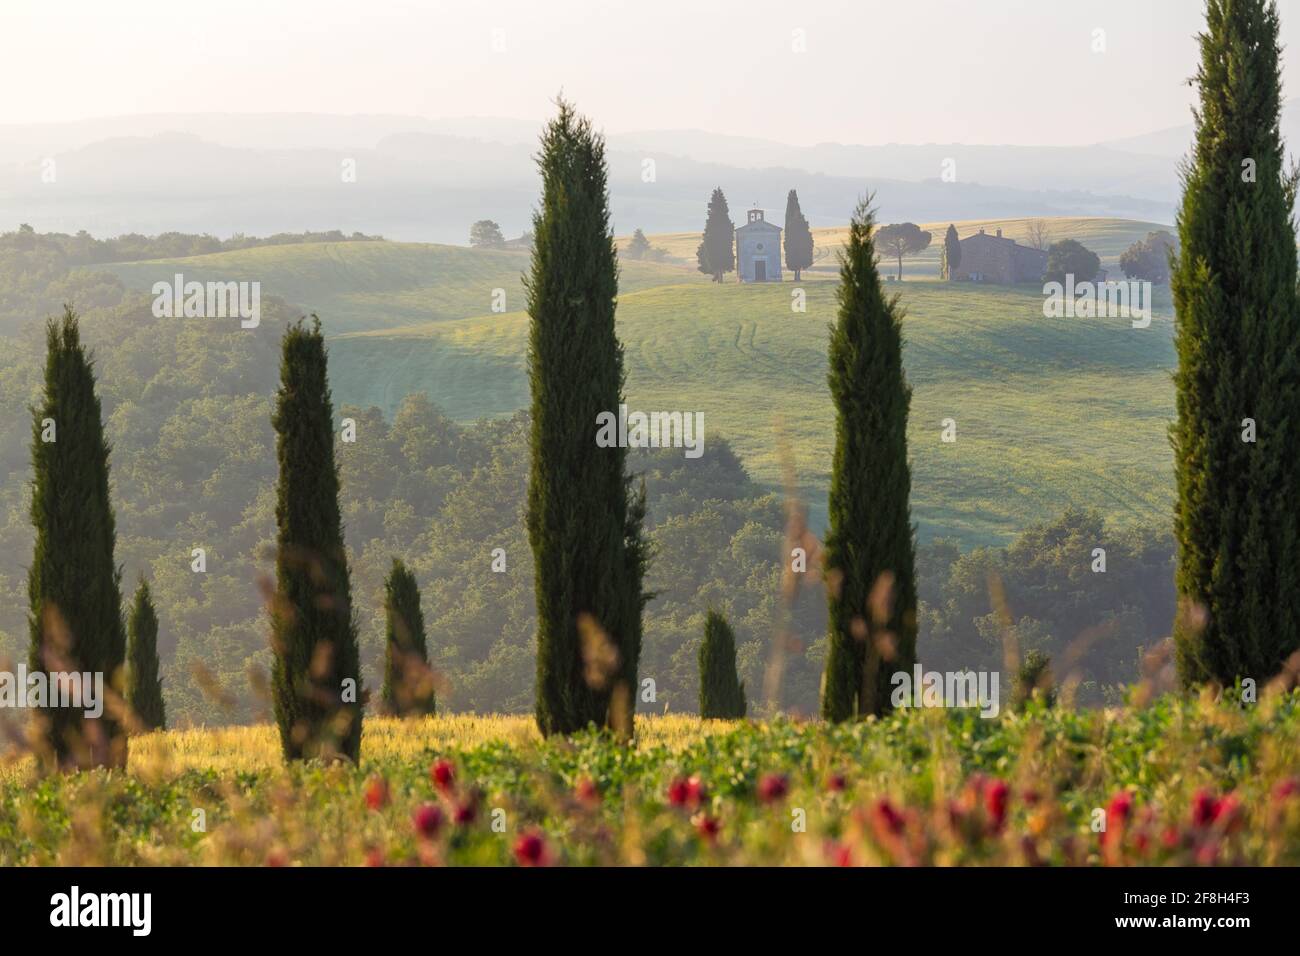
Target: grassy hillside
(1050,412)
(368,285)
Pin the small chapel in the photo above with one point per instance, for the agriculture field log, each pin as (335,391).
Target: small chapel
(758,250)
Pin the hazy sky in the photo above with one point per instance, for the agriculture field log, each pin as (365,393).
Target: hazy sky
(974,71)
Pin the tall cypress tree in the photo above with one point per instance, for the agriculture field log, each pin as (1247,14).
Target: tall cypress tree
(74,584)
(143,685)
(717,251)
(584,520)
(722,694)
(951,252)
(408,683)
(1237,332)
(869,541)
(798,237)
(316,679)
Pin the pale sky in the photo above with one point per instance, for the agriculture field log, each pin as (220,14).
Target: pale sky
(911,71)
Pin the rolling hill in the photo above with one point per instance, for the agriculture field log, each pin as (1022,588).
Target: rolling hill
(1050,412)
(374,285)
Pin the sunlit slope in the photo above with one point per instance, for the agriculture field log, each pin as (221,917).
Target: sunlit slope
(368,285)
(1049,412)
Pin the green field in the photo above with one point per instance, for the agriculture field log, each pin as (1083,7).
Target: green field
(1050,412)
(373,285)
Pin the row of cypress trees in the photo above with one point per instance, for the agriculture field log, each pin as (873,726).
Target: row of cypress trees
(316,674)
(74,585)
(584,520)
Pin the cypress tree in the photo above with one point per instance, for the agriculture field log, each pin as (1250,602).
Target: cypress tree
(869,555)
(408,684)
(717,251)
(143,685)
(798,237)
(316,679)
(584,520)
(74,584)
(951,252)
(722,694)
(1237,333)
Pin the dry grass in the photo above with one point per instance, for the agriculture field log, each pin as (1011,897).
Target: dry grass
(228,750)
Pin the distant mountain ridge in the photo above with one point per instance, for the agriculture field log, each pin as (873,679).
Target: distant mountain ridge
(426,180)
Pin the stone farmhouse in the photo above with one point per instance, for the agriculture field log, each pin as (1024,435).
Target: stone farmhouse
(758,250)
(986,258)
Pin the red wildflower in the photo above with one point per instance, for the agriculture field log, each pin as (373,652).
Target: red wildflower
(375,857)
(376,793)
(708,827)
(836,783)
(1229,813)
(996,795)
(443,774)
(1118,813)
(888,817)
(1171,837)
(686,791)
(530,849)
(427,819)
(587,792)
(1204,807)
(838,854)
(773,787)
(277,857)
(465,813)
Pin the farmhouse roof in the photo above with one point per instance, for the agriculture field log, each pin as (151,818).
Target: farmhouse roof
(999,238)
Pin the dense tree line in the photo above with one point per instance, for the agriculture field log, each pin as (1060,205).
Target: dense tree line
(84,249)
(40,272)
